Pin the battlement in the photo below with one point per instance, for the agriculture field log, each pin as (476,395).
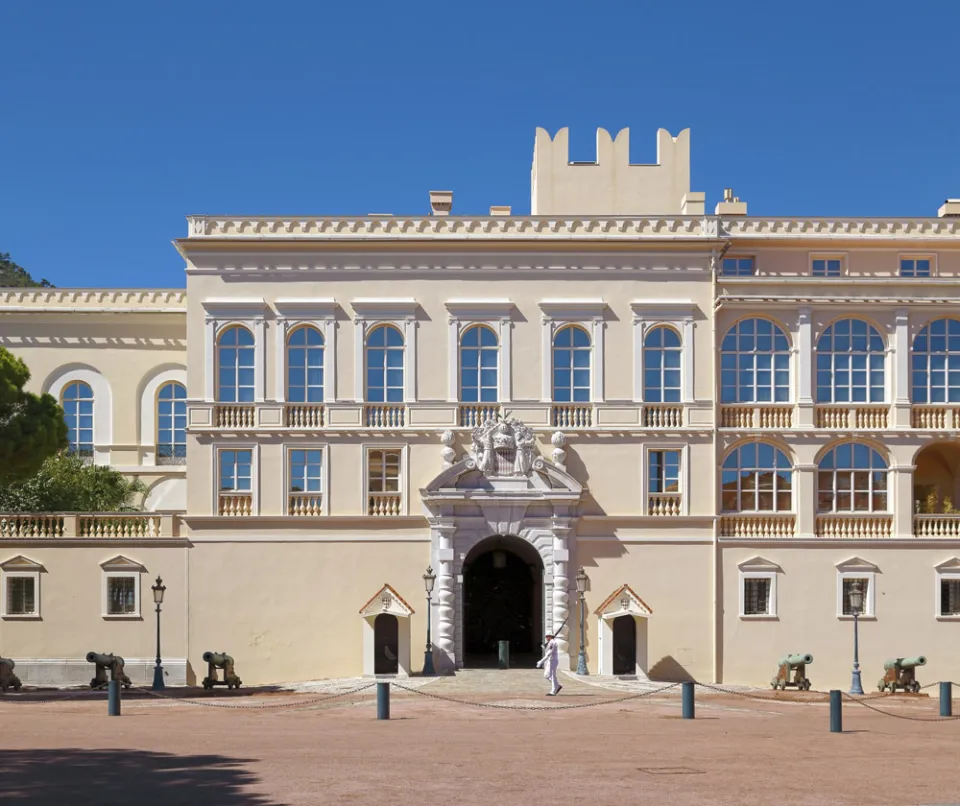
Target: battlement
(612,185)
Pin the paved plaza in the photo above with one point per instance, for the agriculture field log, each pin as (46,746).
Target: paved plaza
(293,748)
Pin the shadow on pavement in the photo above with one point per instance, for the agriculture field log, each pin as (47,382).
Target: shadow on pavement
(78,777)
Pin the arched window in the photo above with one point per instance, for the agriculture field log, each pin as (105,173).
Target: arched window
(850,356)
(757,477)
(936,363)
(852,478)
(235,362)
(571,365)
(479,353)
(172,424)
(385,365)
(661,366)
(754,363)
(305,366)
(77,402)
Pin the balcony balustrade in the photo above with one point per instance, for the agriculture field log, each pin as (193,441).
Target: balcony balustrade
(758,524)
(664,504)
(662,415)
(109,525)
(234,415)
(384,504)
(854,525)
(748,416)
(384,415)
(572,415)
(472,415)
(935,418)
(308,505)
(304,416)
(235,505)
(844,417)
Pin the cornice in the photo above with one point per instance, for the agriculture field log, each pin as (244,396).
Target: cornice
(93,300)
(840,228)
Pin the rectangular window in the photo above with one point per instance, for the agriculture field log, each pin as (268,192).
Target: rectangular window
(305,481)
(756,596)
(915,267)
(865,609)
(384,496)
(21,595)
(737,267)
(950,597)
(122,595)
(236,468)
(663,472)
(827,266)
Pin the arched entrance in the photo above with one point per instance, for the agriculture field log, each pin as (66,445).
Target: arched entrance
(386,644)
(503,601)
(625,645)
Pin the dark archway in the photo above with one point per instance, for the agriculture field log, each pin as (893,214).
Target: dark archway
(386,644)
(625,645)
(503,601)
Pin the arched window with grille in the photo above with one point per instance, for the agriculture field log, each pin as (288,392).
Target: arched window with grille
(755,363)
(571,365)
(757,477)
(172,424)
(305,365)
(479,359)
(77,402)
(235,365)
(850,363)
(852,477)
(936,363)
(661,365)
(384,361)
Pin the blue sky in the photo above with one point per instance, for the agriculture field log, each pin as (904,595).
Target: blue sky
(120,118)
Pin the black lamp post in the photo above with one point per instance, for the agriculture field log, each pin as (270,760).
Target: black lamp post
(429,580)
(582,581)
(158,590)
(856,608)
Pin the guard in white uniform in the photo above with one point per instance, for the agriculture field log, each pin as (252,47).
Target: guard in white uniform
(549,662)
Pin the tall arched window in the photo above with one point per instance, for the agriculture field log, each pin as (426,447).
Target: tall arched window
(77,402)
(571,365)
(757,477)
(479,353)
(172,424)
(305,366)
(936,363)
(852,478)
(661,366)
(754,363)
(385,365)
(235,366)
(850,356)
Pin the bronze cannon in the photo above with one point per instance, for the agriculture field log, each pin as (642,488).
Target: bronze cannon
(901,673)
(107,661)
(7,678)
(795,665)
(220,660)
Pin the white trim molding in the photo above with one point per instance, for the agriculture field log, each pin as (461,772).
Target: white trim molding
(947,571)
(324,449)
(401,312)
(675,313)
(759,568)
(102,403)
(857,568)
(120,567)
(366,447)
(497,315)
(20,567)
(223,313)
(148,409)
(318,313)
(588,314)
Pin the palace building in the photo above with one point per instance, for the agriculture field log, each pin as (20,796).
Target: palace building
(730,422)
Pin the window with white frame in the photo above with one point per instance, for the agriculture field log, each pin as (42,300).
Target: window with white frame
(916,266)
(121,588)
(235,481)
(850,363)
(479,354)
(755,363)
(172,424)
(737,266)
(757,477)
(305,354)
(236,372)
(664,483)
(571,365)
(384,365)
(662,351)
(948,589)
(20,593)
(852,478)
(827,266)
(848,585)
(77,402)
(305,481)
(384,495)
(936,363)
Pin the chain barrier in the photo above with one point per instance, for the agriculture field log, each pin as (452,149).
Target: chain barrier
(767,699)
(865,704)
(255,706)
(504,707)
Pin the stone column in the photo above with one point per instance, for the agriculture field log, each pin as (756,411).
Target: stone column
(803,352)
(445,657)
(805,499)
(901,369)
(561,596)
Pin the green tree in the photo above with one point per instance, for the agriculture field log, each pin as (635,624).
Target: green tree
(67,483)
(31,426)
(14,276)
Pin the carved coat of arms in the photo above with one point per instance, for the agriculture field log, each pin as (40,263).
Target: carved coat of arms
(504,448)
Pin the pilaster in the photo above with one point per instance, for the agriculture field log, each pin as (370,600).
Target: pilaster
(805,499)
(900,499)
(803,351)
(561,595)
(901,369)
(445,627)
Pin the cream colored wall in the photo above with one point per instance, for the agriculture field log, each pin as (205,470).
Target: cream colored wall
(793,261)
(905,623)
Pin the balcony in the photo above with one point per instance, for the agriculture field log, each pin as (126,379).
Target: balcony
(758,524)
(472,415)
(663,504)
(235,505)
(384,415)
(854,525)
(234,415)
(572,415)
(306,505)
(384,504)
(936,525)
(935,418)
(748,416)
(108,525)
(850,417)
(304,415)
(662,415)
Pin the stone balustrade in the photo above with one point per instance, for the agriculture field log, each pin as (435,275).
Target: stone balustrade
(758,524)
(235,505)
(854,525)
(935,418)
(749,416)
(308,505)
(384,415)
(472,415)
(845,417)
(234,415)
(303,415)
(109,525)
(936,525)
(662,415)
(572,415)
(384,504)
(663,504)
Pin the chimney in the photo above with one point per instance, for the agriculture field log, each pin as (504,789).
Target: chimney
(949,209)
(731,205)
(500,209)
(441,202)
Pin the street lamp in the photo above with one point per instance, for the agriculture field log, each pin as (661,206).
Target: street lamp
(856,608)
(158,590)
(429,579)
(582,581)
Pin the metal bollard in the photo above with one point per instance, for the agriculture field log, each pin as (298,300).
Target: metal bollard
(503,654)
(836,714)
(688,704)
(113,698)
(383,700)
(946,699)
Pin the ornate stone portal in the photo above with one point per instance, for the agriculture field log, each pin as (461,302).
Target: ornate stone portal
(504,487)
